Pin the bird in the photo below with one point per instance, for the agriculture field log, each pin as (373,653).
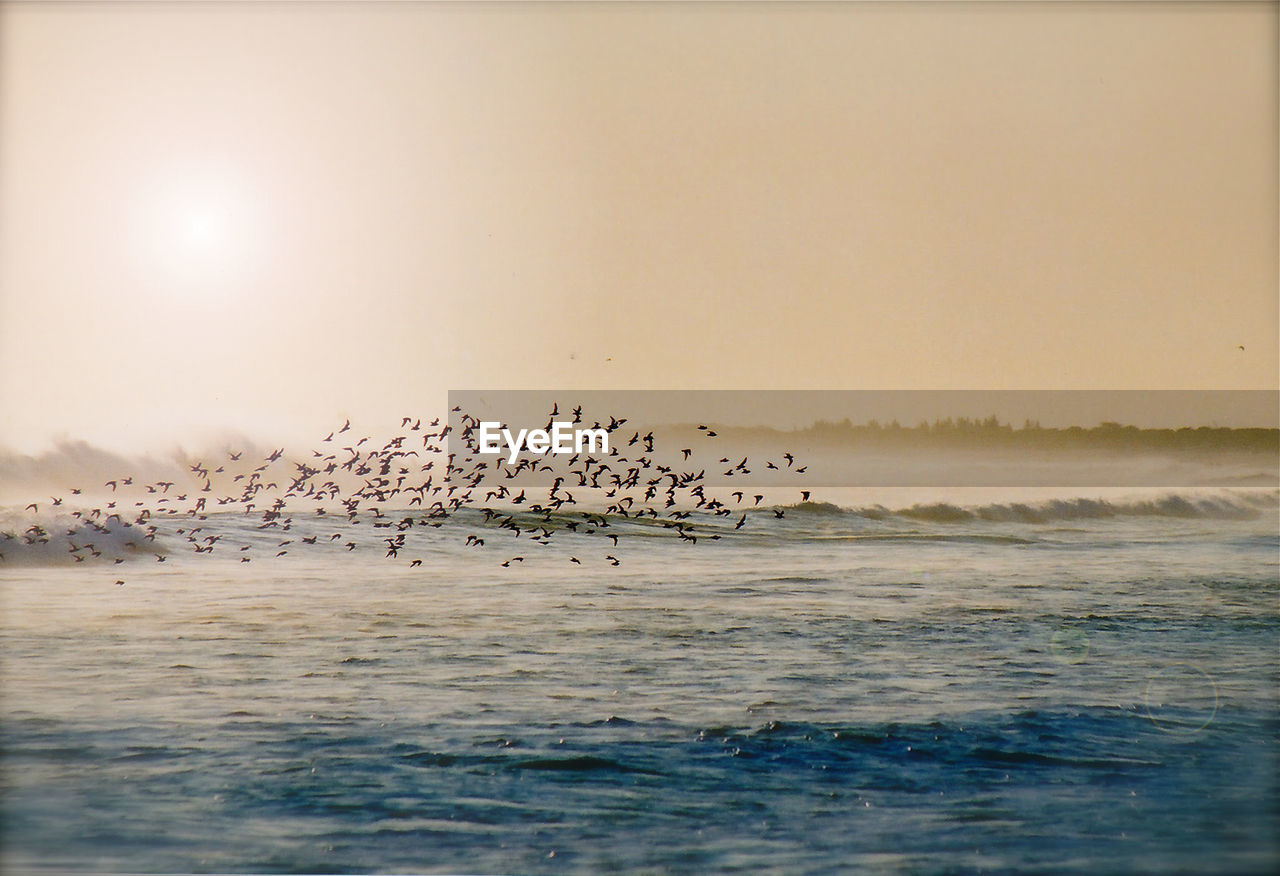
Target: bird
(380,474)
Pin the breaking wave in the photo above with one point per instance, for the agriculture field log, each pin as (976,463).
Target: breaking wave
(1233,505)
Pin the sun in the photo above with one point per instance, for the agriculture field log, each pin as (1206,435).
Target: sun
(203,230)
(199,229)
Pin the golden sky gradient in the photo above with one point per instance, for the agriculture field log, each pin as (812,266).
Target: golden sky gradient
(267,218)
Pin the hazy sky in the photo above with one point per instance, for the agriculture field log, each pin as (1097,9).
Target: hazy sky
(266,218)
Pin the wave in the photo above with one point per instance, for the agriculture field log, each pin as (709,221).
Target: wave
(1115,739)
(64,539)
(580,764)
(1228,504)
(1235,505)
(65,536)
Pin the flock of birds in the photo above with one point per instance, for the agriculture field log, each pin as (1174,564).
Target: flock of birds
(419,478)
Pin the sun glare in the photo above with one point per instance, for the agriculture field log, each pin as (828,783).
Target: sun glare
(199,229)
(203,230)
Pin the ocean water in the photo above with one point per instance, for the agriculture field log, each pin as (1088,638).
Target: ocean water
(1062,686)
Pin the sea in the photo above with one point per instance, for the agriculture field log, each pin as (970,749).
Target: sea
(1067,684)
